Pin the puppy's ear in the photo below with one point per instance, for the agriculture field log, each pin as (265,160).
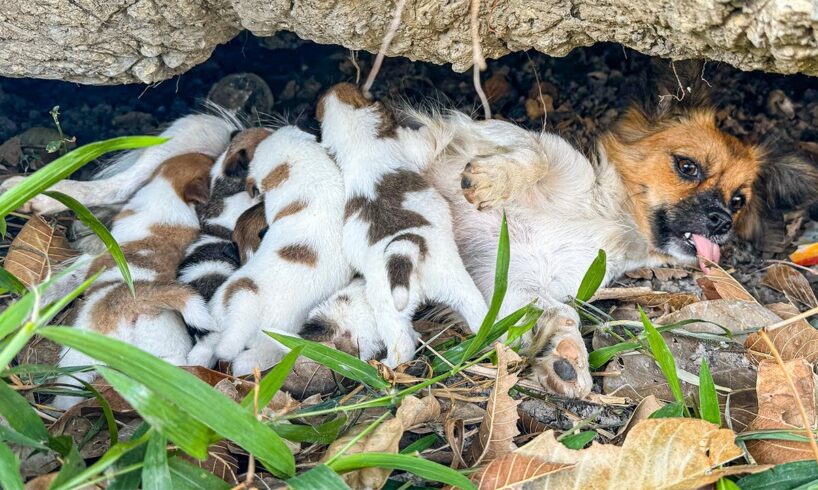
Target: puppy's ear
(236,163)
(786,181)
(676,88)
(251,188)
(197,191)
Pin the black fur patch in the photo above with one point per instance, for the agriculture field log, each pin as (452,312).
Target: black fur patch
(414,238)
(222,251)
(319,329)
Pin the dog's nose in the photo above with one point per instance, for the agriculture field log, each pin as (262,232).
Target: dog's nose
(719,222)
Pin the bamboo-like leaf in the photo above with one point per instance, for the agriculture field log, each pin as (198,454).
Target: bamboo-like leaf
(340,362)
(599,357)
(127,481)
(428,470)
(500,287)
(578,440)
(273,380)
(66,165)
(593,278)
(324,433)
(155,472)
(708,398)
(421,444)
(9,282)
(669,411)
(663,356)
(726,484)
(189,393)
(185,476)
(20,416)
(10,469)
(319,477)
(787,476)
(86,216)
(72,465)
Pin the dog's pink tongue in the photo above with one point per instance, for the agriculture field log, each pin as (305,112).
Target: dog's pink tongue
(706,249)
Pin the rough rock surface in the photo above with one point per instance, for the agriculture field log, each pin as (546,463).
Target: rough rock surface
(119,41)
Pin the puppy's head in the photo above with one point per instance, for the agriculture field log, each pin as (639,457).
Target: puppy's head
(250,230)
(188,174)
(242,148)
(344,109)
(690,184)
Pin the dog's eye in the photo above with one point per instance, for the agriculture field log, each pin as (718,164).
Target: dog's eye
(687,167)
(737,202)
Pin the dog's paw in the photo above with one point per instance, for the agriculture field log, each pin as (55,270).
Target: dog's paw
(262,356)
(485,185)
(228,348)
(401,349)
(39,204)
(561,367)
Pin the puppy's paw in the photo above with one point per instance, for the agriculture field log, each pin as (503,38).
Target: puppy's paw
(262,356)
(401,349)
(485,185)
(228,348)
(561,367)
(39,204)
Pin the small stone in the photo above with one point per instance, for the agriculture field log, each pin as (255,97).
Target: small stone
(778,104)
(247,93)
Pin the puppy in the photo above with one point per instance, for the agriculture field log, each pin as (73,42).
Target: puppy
(153,229)
(664,185)
(298,263)
(397,229)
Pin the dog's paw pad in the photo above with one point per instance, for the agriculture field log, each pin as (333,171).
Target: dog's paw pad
(484,186)
(562,367)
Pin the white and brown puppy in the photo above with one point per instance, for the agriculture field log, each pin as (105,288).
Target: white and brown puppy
(153,229)
(397,228)
(299,262)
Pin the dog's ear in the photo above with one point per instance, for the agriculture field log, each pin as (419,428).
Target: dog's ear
(786,180)
(197,190)
(676,88)
(236,163)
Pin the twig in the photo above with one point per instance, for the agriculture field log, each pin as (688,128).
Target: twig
(539,90)
(479,62)
(387,39)
(807,425)
(353,58)
(792,319)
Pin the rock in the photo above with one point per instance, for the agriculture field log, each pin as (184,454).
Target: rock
(135,122)
(104,42)
(246,93)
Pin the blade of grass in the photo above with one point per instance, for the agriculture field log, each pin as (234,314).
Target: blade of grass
(421,444)
(785,476)
(500,287)
(20,416)
(708,399)
(127,481)
(579,440)
(593,278)
(67,164)
(340,362)
(779,434)
(599,357)
(185,476)
(10,469)
(189,434)
(726,484)
(319,477)
(324,433)
(669,411)
(9,282)
(73,465)
(663,357)
(273,380)
(110,457)
(10,435)
(418,466)
(87,217)
(155,472)
(188,392)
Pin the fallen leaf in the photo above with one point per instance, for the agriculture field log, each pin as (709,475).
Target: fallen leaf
(738,316)
(792,283)
(513,470)
(718,284)
(36,250)
(806,255)
(798,340)
(646,407)
(499,426)
(219,461)
(657,453)
(777,409)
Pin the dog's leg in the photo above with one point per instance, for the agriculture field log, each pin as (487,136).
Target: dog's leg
(203,352)
(262,354)
(452,285)
(240,323)
(491,181)
(395,326)
(71,358)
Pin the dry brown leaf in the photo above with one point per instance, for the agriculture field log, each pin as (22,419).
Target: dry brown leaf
(513,470)
(777,409)
(219,461)
(718,284)
(646,407)
(792,283)
(798,340)
(656,454)
(499,427)
(36,250)
(738,316)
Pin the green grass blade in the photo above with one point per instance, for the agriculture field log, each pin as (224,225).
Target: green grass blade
(777,434)
(73,466)
(319,477)
(87,217)
(593,278)
(10,469)
(55,308)
(67,164)
(708,398)
(500,287)
(20,416)
(9,282)
(273,381)
(188,392)
(127,481)
(189,434)
(155,472)
(324,433)
(599,357)
(579,440)
(669,411)
(121,450)
(785,476)
(423,468)
(421,444)
(185,476)
(663,357)
(340,362)
(726,484)
(10,435)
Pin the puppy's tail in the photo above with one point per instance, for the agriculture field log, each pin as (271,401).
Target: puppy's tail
(403,254)
(196,315)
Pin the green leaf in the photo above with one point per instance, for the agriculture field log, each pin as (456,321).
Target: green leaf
(599,357)
(775,434)
(87,217)
(20,416)
(155,472)
(127,481)
(319,477)
(340,362)
(787,476)
(578,440)
(593,278)
(109,458)
(708,398)
(9,282)
(72,465)
(421,467)
(11,435)
(726,484)
(421,444)
(189,393)
(324,433)
(500,287)
(65,165)
(663,357)
(10,469)
(273,381)
(185,476)
(53,146)
(669,411)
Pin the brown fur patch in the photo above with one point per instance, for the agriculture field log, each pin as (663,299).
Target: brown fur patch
(248,230)
(351,95)
(124,213)
(242,149)
(189,174)
(241,284)
(276,177)
(290,209)
(386,215)
(301,254)
(418,240)
(150,299)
